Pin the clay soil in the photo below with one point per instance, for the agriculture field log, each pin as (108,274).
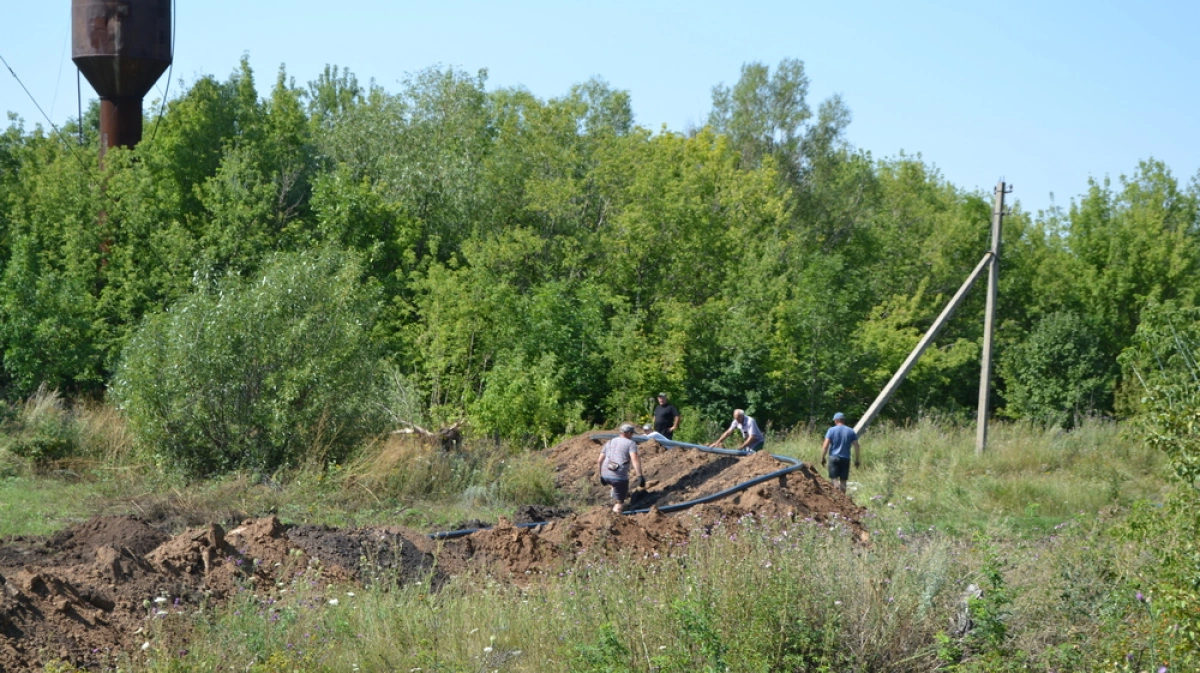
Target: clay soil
(86,594)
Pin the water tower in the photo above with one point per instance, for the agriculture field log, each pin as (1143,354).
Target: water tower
(122,47)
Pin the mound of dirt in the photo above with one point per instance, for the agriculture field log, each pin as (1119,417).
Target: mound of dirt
(77,542)
(677,475)
(540,513)
(87,593)
(509,550)
(366,553)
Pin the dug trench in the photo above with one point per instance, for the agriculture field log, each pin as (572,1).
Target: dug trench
(87,594)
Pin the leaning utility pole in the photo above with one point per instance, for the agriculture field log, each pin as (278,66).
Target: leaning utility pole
(985,374)
(894,384)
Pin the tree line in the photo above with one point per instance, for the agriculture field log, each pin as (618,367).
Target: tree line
(541,265)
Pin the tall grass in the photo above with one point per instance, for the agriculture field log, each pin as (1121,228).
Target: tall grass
(759,596)
(743,596)
(1029,476)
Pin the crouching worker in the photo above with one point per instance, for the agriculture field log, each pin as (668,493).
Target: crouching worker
(615,459)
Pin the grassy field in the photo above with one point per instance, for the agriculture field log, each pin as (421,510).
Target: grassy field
(1033,524)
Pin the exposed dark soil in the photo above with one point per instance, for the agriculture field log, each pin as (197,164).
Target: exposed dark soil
(87,594)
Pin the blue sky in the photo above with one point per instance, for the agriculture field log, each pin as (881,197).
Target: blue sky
(1044,94)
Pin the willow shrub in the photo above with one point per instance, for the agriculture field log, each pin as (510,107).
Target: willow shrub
(258,373)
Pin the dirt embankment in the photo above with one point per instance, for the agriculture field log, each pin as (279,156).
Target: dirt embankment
(87,593)
(679,475)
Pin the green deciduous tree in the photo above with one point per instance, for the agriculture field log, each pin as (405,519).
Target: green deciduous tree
(1058,374)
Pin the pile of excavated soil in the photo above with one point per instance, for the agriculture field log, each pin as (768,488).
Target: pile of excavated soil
(676,475)
(367,554)
(89,593)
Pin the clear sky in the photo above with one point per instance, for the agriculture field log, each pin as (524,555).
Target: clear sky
(1043,94)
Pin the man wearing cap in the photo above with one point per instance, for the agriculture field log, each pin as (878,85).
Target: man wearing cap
(615,458)
(751,434)
(838,441)
(666,417)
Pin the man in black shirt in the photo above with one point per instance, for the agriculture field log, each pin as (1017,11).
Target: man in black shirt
(666,417)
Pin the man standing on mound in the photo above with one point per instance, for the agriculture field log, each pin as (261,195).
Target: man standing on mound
(753,439)
(838,441)
(666,417)
(615,458)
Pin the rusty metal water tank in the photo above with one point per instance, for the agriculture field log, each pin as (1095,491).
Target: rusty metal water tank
(122,47)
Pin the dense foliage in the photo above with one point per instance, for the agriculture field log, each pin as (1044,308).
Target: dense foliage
(257,374)
(1164,359)
(541,263)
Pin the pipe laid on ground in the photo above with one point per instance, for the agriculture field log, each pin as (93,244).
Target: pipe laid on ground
(793,465)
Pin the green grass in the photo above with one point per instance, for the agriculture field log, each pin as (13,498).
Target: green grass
(40,506)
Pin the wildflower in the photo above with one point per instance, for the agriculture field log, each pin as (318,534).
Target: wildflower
(1141,598)
(350,594)
(333,601)
(487,650)
(145,645)
(160,600)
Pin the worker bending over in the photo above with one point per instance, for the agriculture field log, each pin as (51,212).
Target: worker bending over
(751,434)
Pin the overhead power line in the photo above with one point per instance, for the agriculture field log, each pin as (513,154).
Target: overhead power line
(47,117)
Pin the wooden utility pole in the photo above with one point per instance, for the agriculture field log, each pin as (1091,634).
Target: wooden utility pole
(989,320)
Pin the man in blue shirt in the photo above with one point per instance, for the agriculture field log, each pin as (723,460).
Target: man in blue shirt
(838,441)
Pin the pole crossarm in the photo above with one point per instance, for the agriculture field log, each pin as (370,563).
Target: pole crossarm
(898,377)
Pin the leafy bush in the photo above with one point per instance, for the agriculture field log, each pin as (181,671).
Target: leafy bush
(523,401)
(1058,374)
(258,373)
(1164,360)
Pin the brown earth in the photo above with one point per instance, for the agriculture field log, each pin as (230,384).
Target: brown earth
(89,593)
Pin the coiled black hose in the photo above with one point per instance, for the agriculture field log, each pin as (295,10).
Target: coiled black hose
(793,464)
